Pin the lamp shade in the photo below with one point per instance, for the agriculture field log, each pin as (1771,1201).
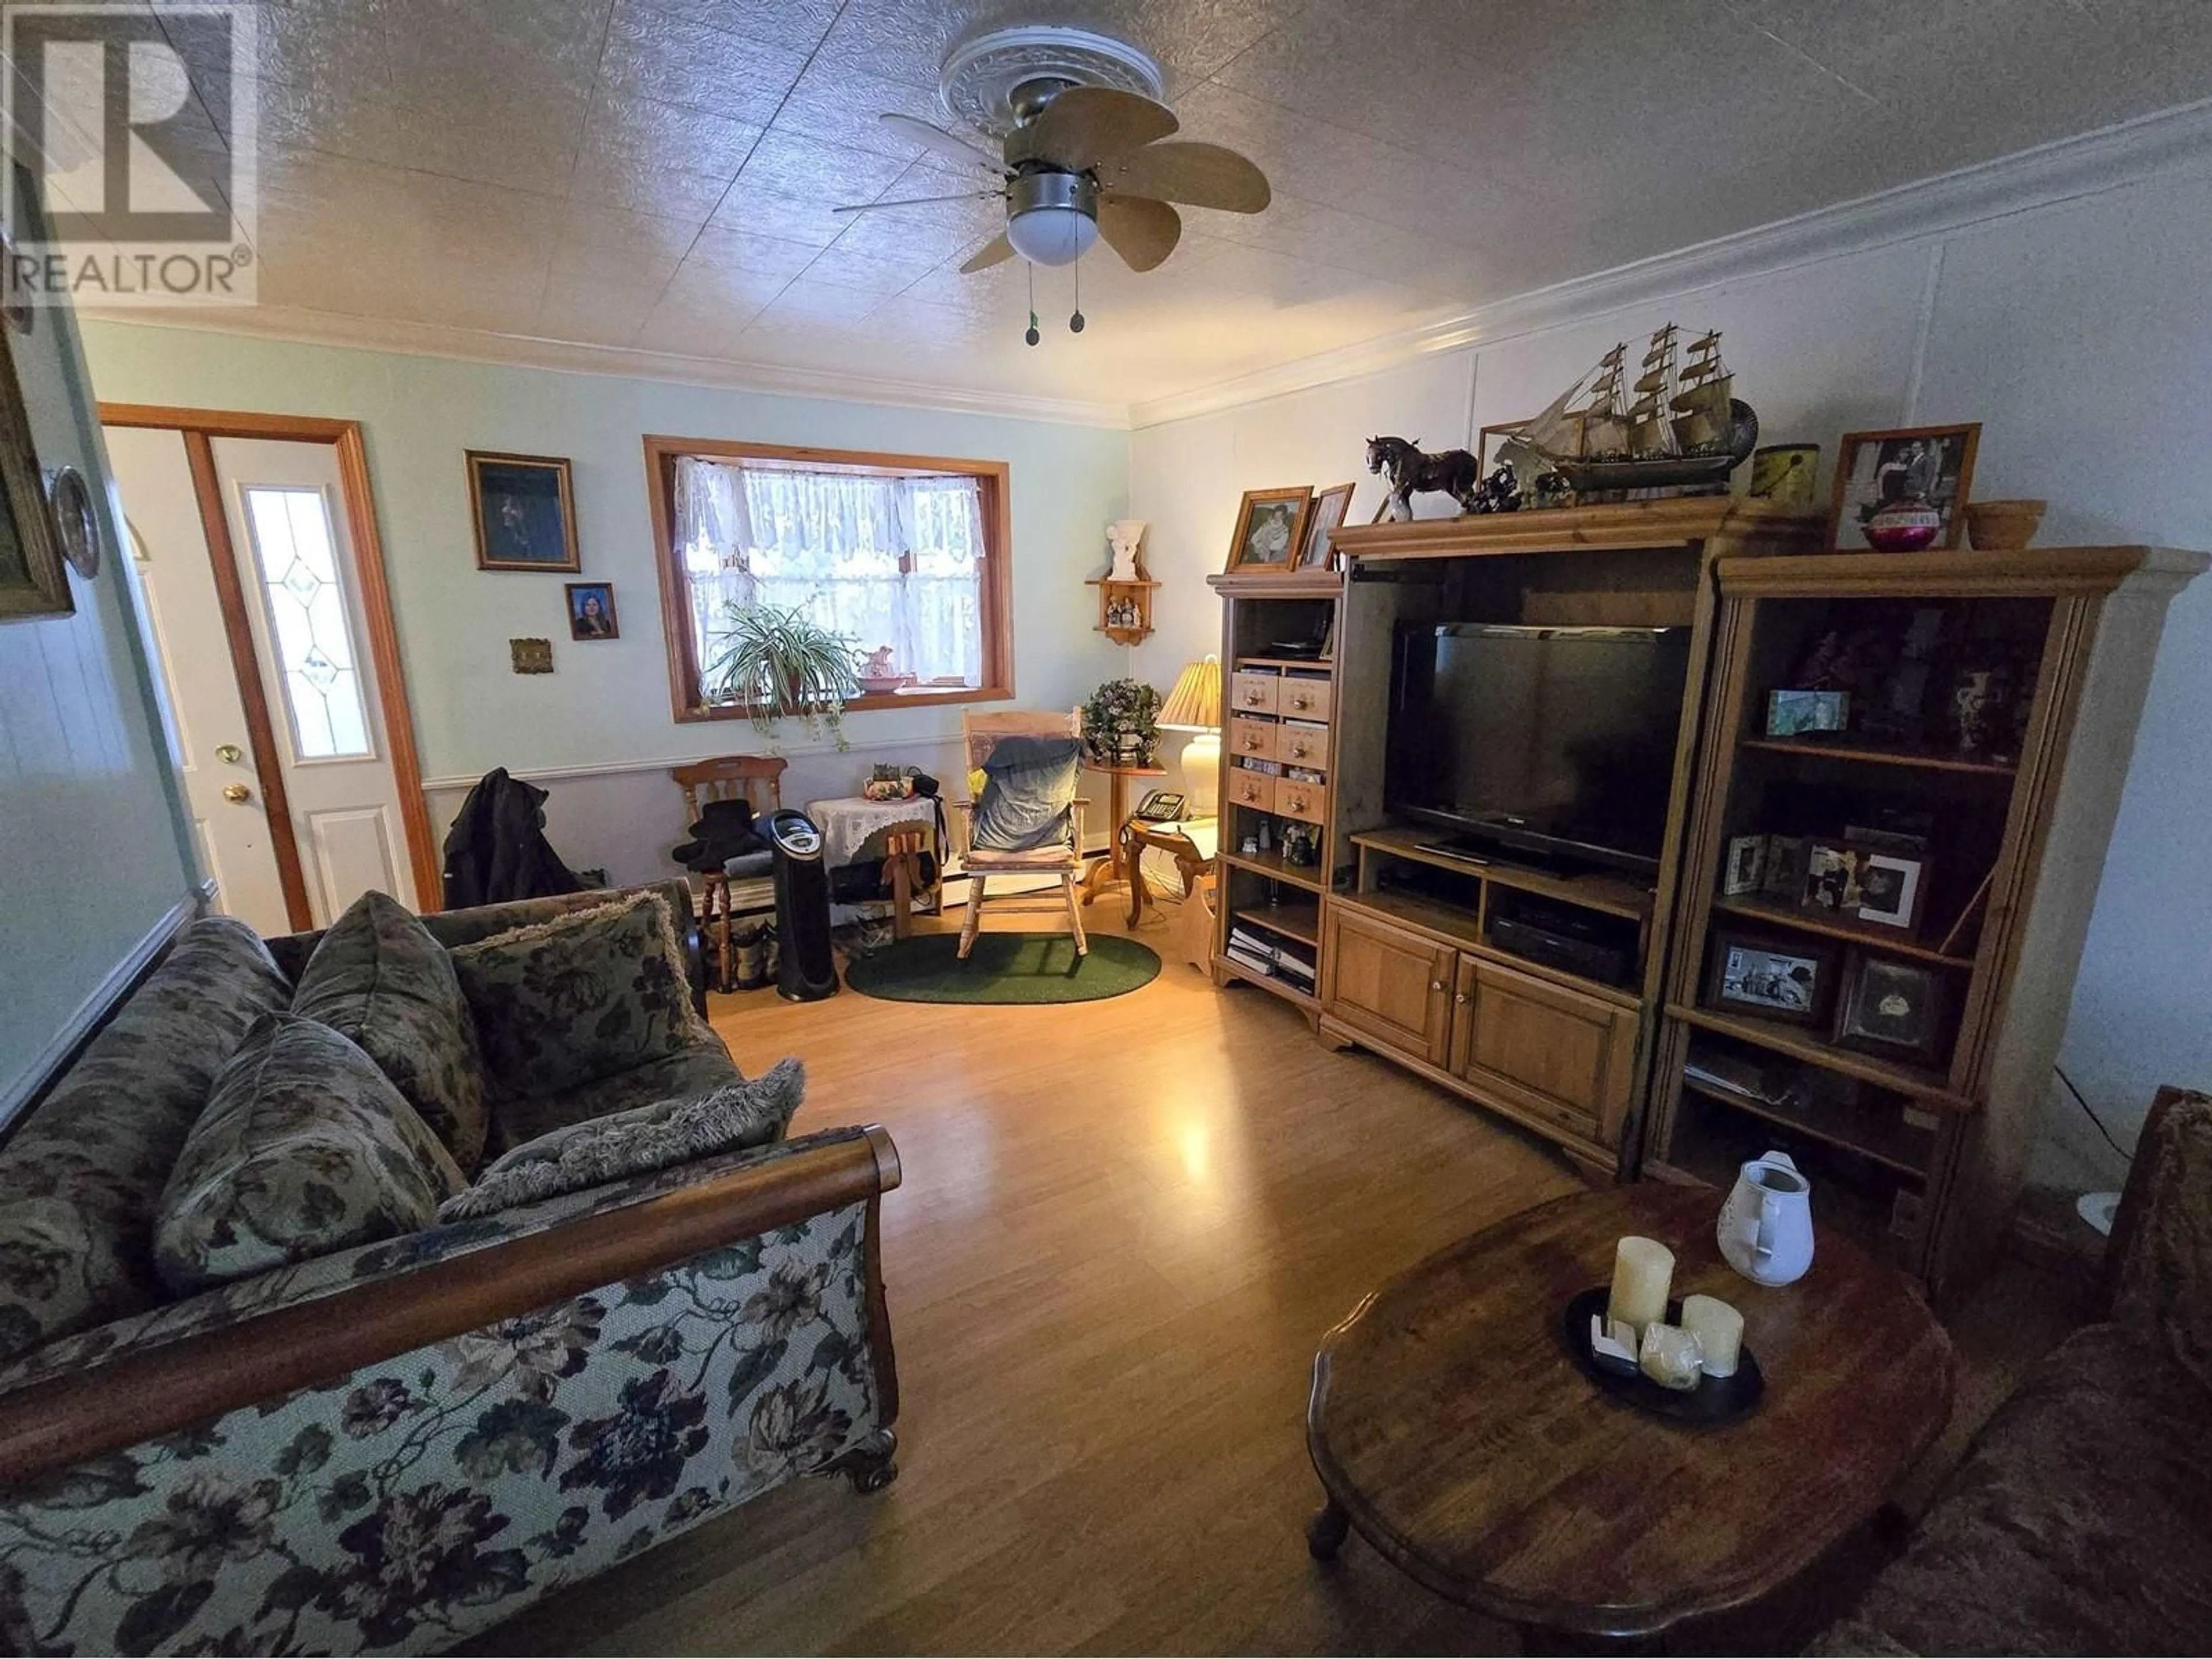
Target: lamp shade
(1194,704)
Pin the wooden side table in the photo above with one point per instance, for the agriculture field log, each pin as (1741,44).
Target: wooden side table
(1112,868)
(1451,1432)
(1196,868)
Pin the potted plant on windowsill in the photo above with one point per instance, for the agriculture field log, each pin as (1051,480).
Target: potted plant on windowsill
(774,663)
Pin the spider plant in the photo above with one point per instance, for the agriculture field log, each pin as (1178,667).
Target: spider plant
(783,662)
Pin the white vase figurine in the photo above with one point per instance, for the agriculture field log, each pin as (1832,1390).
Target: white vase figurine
(1122,536)
(1766,1225)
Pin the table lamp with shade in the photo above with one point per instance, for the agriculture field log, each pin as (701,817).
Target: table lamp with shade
(1194,706)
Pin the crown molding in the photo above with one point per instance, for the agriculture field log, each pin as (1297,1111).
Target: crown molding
(2112,158)
(330,328)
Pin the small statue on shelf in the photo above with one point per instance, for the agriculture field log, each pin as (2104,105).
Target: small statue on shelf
(1498,493)
(1452,472)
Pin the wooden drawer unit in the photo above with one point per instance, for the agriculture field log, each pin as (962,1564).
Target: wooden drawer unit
(1250,788)
(1390,984)
(1564,1056)
(1253,691)
(1297,744)
(1296,799)
(1303,697)
(1250,738)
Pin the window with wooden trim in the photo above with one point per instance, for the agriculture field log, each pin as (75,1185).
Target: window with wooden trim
(902,553)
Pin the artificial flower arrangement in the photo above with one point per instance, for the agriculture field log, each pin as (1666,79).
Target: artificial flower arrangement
(1121,723)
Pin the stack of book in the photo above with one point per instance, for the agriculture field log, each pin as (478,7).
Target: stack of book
(1254,950)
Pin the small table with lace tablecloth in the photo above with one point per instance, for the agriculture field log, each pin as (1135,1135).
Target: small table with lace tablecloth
(857,830)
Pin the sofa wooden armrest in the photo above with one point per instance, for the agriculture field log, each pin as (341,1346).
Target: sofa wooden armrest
(134,1394)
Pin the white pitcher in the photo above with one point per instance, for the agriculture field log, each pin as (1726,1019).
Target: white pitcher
(1766,1225)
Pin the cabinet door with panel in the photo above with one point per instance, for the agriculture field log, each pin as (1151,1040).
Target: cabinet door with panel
(1564,1056)
(1392,985)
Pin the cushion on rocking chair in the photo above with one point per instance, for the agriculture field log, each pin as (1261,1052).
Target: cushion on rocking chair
(1028,796)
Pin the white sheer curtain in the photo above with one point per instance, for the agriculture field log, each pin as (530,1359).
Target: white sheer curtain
(882,560)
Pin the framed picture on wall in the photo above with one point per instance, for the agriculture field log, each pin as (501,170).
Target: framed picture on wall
(592,611)
(523,511)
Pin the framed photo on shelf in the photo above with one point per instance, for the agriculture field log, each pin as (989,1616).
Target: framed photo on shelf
(1745,869)
(1327,513)
(1783,878)
(1895,1008)
(524,511)
(1891,889)
(1874,469)
(1270,529)
(1752,974)
(1832,878)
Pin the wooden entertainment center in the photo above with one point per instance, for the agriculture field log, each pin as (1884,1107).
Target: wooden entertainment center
(1450,964)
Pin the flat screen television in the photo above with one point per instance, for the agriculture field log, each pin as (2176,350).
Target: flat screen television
(1554,741)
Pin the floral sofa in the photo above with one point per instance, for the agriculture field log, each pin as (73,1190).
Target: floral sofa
(2078,1522)
(388,1447)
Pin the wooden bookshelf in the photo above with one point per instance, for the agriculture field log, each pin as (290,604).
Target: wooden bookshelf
(1927,760)
(1890,941)
(1906,1150)
(1797,1042)
(1273,867)
(1298,918)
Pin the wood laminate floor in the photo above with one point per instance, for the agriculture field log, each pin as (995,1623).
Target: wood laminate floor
(1124,1228)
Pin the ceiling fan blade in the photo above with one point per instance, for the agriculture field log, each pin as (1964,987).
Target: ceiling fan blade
(1142,231)
(1085,125)
(948,144)
(921,201)
(996,251)
(1197,175)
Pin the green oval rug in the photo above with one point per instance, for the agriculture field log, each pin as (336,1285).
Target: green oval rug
(1003,968)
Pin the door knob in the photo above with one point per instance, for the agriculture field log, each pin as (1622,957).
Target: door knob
(229,754)
(236,792)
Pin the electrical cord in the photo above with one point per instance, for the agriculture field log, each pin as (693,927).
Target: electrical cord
(2087,1112)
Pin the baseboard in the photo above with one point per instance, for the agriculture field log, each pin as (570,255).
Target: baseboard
(62,1048)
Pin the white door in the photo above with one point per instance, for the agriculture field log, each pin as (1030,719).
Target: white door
(288,527)
(214,748)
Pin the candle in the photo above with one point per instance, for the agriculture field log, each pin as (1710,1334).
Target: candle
(1719,1330)
(1642,1268)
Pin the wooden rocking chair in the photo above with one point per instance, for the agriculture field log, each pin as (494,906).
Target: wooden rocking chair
(979,735)
(759,778)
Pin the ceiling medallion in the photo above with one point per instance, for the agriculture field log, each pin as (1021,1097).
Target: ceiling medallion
(978,81)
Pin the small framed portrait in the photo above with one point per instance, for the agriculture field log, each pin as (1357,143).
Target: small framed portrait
(1785,875)
(1328,512)
(1270,529)
(524,511)
(1794,713)
(1751,975)
(1876,469)
(592,611)
(1745,869)
(1892,1008)
(1892,889)
(1832,878)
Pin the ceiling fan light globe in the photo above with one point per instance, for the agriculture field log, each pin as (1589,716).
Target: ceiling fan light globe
(1052,235)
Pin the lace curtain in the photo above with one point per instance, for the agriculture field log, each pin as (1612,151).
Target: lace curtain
(883,560)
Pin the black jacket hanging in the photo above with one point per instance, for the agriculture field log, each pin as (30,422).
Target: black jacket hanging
(497,851)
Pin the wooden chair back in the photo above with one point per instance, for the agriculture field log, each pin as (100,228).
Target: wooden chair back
(980,734)
(758,778)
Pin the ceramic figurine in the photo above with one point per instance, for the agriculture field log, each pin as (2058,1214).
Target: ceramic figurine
(1765,1228)
(1123,535)
(1452,472)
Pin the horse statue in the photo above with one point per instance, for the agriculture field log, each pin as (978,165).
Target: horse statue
(1452,472)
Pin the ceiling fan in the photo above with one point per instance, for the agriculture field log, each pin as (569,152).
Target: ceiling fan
(1081,159)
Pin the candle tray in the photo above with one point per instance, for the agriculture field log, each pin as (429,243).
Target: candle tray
(1715,1400)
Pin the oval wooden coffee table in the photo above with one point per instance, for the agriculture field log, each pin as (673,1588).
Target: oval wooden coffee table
(1452,1433)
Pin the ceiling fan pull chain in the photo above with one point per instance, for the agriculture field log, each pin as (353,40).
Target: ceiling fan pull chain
(1075,321)
(1032,336)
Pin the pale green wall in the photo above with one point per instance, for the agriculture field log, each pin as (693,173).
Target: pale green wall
(607,703)
(92,859)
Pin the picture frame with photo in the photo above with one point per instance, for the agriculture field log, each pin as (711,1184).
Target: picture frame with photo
(1744,871)
(1270,531)
(1874,469)
(1892,889)
(1756,973)
(1893,1009)
(524,511)
(1784,876)
(591,611)
(1323,518)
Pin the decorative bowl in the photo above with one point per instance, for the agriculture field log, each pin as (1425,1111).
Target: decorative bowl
(877,685)
(1904,526)
(2002,527)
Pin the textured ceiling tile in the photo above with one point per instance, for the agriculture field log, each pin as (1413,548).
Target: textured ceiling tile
(693,330)
(650,54)
(598,224)
(640,184)
(708,287)
(762,211)
(806,167)
(842,266)
(930,235)
(803,303)
(535,153)
(696,140)
(745,250)
(798,23)
(618,269)
(593,311)
(839,104)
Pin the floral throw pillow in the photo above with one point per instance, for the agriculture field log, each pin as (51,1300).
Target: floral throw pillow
(579,998)
(645,1138)
(379,978)
(305,1148)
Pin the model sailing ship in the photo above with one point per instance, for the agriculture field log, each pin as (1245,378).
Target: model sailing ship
(1678,424)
